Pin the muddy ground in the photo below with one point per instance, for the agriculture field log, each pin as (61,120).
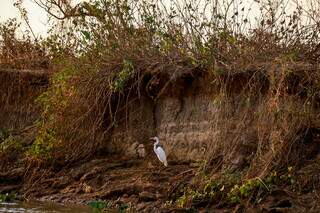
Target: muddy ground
(144,186)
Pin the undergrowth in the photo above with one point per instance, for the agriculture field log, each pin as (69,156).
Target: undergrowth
(230,190)
(102,206)
(53,102)
(10,145)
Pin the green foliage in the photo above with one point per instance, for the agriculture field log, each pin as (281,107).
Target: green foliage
(10,144)
(123,207)
(229,189)
(53,102)
(7,197)
(98,206)
(124,75)
(288,177)
(209,191)
(246,190)
(255,189)
(86,34)
(181,202)
(44,143)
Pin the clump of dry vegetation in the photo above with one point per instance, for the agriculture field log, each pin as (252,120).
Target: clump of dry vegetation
(20,53)
(262,57)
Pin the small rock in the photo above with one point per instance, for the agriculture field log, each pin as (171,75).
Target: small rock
(147,196)
(141,151)
(150,165)
(131,150)
(158,195)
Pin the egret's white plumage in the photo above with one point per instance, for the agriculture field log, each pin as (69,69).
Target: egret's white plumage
(159,151)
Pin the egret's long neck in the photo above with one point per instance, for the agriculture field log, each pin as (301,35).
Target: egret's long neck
(157,142)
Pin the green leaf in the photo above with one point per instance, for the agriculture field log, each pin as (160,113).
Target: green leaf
(86,34)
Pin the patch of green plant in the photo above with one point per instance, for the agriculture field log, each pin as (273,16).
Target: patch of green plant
(10,144)
(53,102)
(181,201)
(257,188)
(246,190)
(98,205)
(44,143)
(124,75)
(7,197)
(214,186)
(229,188)
(209,191)
(123,207)
(288,177)
(168,203)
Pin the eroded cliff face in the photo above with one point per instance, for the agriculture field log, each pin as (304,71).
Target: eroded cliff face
(185,123)
(185,117)
(135,127)
(188,117)
(194,122)
(183,126)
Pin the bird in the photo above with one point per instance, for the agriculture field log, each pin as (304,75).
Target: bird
(157,148)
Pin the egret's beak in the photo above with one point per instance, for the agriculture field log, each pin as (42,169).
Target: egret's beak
(151,139)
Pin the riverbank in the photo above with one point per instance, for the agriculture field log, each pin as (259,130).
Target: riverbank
(148,187)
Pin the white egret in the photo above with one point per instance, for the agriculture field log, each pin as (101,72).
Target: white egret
(157,148)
